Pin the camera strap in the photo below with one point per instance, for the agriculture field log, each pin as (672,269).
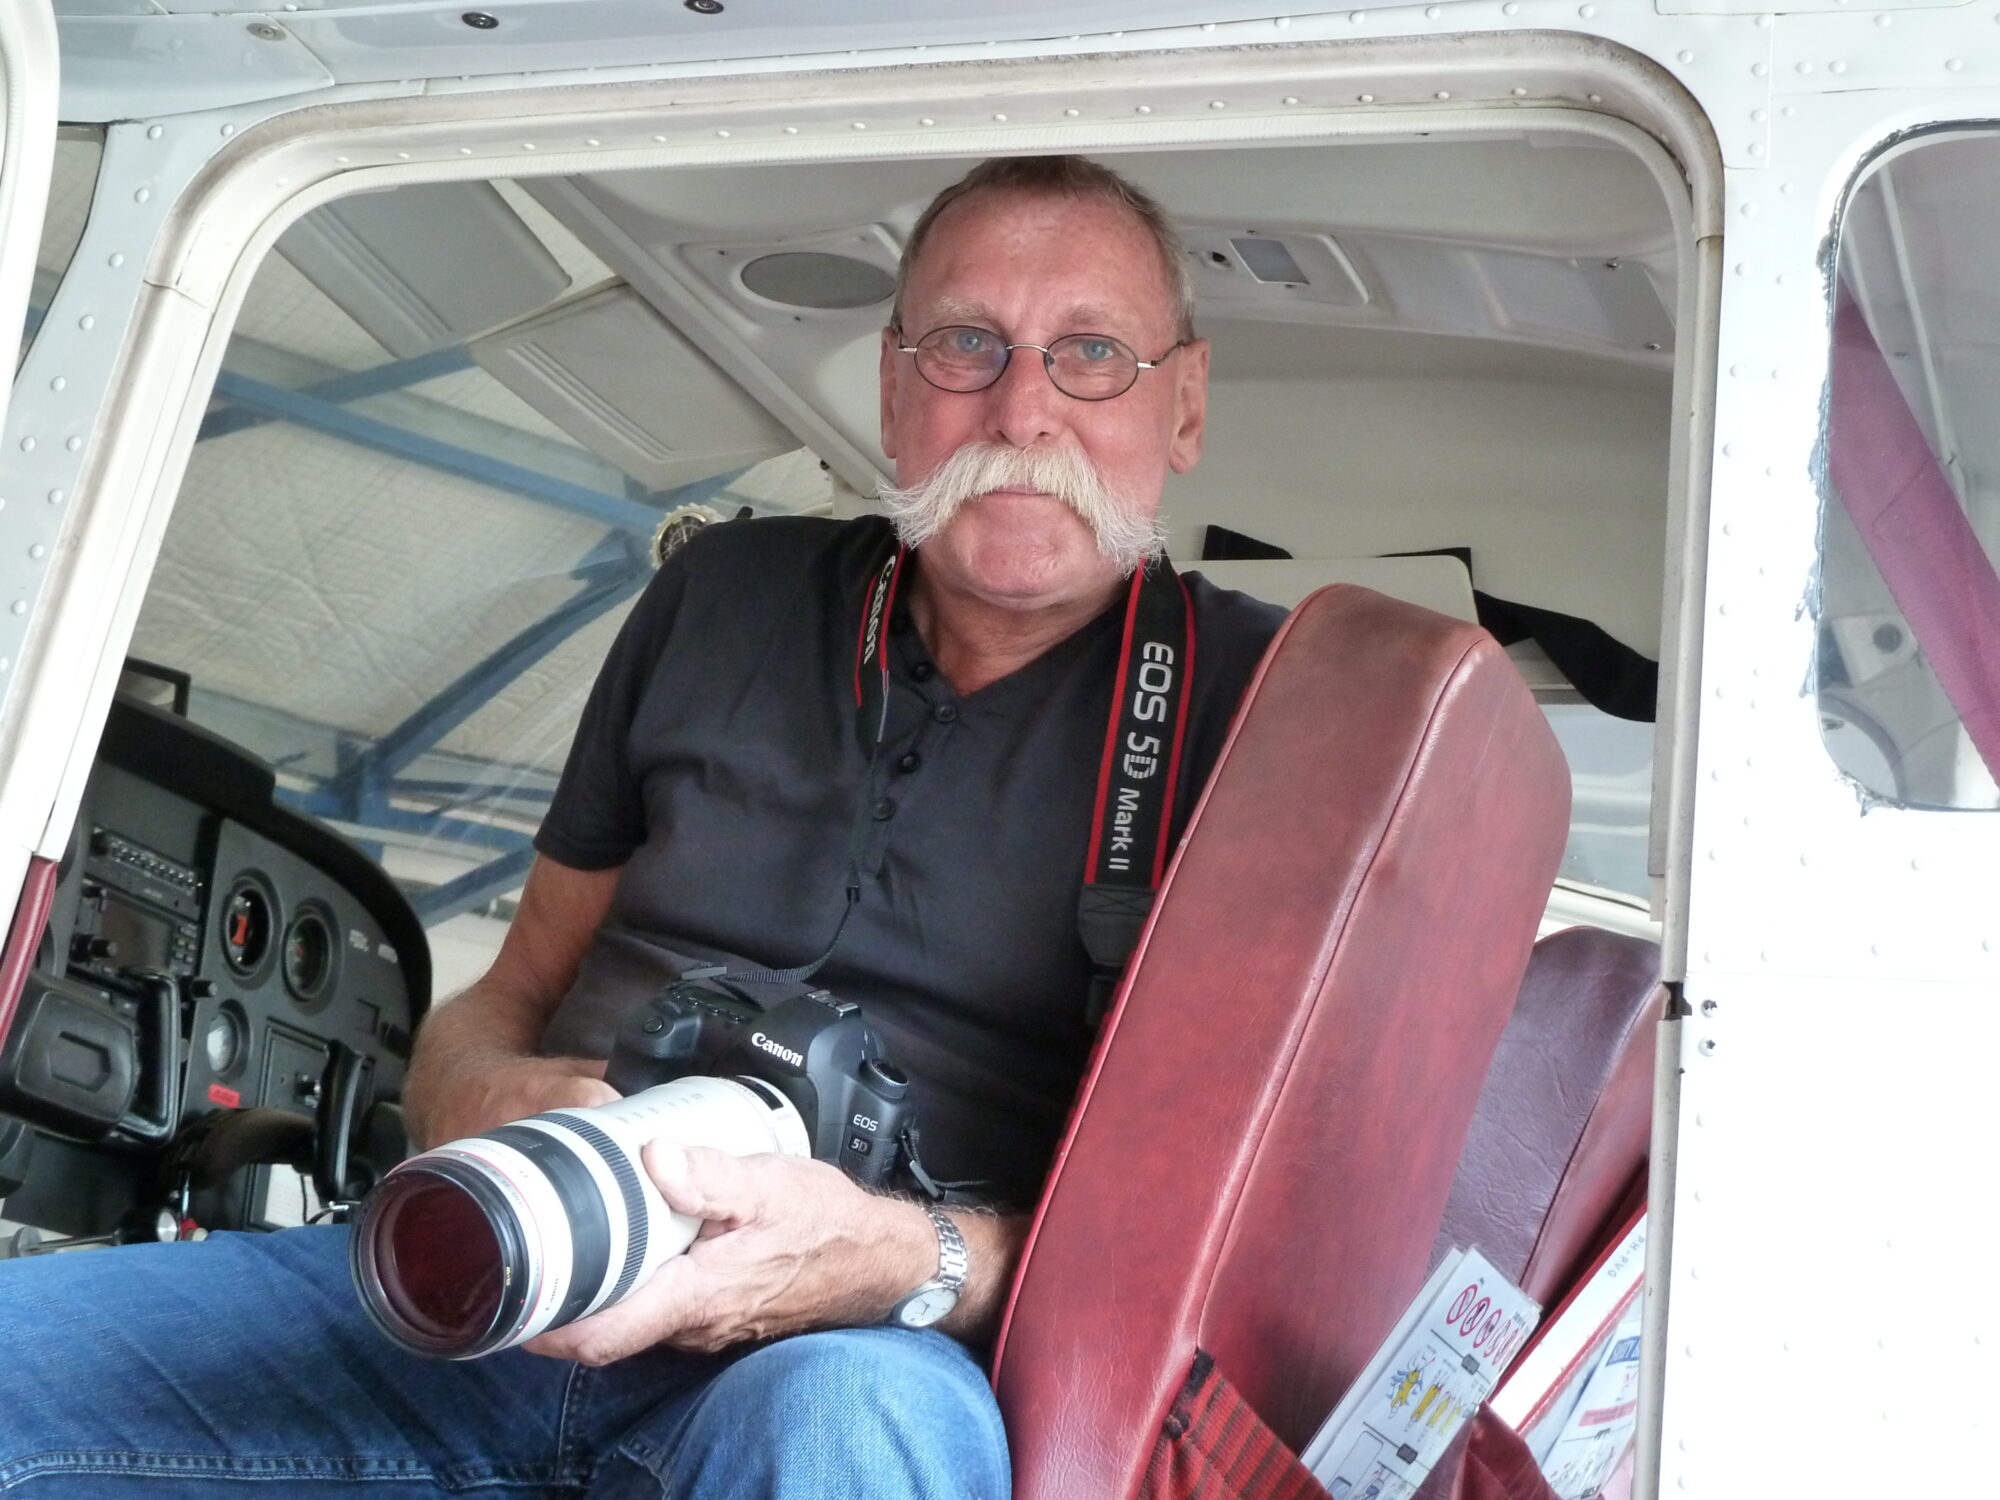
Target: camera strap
(1131,827)
(1131,831)
(871,670)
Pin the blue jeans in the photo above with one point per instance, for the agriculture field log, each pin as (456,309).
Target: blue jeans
(166,1370)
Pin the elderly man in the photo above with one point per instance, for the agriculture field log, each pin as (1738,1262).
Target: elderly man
(727,801)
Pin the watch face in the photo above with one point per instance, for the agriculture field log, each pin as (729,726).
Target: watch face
(925,1306)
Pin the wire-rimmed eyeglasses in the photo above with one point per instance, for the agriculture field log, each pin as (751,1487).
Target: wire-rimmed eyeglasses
(1087,366)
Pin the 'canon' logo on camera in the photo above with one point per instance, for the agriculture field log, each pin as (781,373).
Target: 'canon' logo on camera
(777,1049)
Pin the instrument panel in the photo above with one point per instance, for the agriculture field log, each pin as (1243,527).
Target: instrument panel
(224,984)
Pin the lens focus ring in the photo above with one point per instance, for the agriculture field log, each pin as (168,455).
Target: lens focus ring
(629,1186)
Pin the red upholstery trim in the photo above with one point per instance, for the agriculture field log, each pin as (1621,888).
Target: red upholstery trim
(1214,1447)
(31,915)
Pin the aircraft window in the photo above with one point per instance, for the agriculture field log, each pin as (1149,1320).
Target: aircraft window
(1909,621)
(410,528)
(71,183)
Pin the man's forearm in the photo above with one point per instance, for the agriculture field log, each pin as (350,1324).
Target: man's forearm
(481,1022)
(475,1067)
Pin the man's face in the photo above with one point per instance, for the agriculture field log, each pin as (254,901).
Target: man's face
(1033,269)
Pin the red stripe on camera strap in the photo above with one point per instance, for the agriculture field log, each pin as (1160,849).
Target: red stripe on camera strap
(871,647)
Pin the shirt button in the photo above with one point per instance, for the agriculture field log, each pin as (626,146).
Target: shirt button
(884,810)
(922,671)
(945,713)
(909,763)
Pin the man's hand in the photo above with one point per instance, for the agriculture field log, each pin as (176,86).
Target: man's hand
(491,1091)
(789,1244)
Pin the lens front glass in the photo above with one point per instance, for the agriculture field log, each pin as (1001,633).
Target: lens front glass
(440,1261)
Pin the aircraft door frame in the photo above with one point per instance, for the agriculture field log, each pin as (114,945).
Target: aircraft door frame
(28,91)
(29,76)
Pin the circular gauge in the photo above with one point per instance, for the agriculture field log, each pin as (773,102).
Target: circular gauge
(222,1041)
(247,920)
(308,954)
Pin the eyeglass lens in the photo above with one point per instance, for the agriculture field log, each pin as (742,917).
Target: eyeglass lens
(1088,366)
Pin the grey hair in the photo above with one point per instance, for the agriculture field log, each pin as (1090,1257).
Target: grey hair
(1061,177)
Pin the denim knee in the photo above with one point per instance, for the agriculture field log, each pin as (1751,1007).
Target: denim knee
(882,1412)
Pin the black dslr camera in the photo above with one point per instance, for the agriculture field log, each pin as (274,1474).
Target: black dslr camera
(815,1050)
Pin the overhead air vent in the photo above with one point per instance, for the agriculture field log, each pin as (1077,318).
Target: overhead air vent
(817,279)
(1269,260)
(841,275)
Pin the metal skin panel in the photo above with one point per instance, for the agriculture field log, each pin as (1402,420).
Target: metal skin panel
(1843,957)
(118,66)
(1818,1182)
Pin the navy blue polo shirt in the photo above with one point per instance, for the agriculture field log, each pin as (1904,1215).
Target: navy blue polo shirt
(720,762)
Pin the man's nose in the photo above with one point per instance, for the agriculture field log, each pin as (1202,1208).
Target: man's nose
(1023,407)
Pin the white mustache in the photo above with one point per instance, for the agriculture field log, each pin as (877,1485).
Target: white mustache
(1125,533)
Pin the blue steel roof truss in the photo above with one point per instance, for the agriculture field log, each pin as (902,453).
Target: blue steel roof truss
(364,792)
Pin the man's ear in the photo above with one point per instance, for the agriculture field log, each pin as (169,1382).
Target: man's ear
(1190,406)
(890,339)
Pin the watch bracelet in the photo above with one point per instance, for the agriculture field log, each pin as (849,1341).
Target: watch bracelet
(954,1260)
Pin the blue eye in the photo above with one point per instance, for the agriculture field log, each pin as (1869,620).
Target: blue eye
(1094,351)
(973,341)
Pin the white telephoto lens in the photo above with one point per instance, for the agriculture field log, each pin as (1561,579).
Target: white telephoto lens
(484,1243)
(743,1117)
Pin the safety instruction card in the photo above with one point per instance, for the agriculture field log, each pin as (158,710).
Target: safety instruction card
(1427,1379)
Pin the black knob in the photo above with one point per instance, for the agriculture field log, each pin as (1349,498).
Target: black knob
(201,989)
(100,842)
(885,1078)
(83,948)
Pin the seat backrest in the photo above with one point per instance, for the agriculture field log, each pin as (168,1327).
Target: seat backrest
(1555,1162)
(1558,1146)
(1263,1146)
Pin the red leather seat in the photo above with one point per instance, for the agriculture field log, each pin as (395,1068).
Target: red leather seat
(1263,1147)
(1555,1161)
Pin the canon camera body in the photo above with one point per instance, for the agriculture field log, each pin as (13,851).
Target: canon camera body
(814,1049)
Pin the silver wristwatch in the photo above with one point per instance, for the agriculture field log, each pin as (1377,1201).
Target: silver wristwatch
(939,1295)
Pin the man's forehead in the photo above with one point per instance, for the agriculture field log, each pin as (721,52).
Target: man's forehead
(1080,316)
(1106,241)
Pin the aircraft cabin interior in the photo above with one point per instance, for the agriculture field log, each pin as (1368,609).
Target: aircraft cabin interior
(421,502)
(1474,359)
